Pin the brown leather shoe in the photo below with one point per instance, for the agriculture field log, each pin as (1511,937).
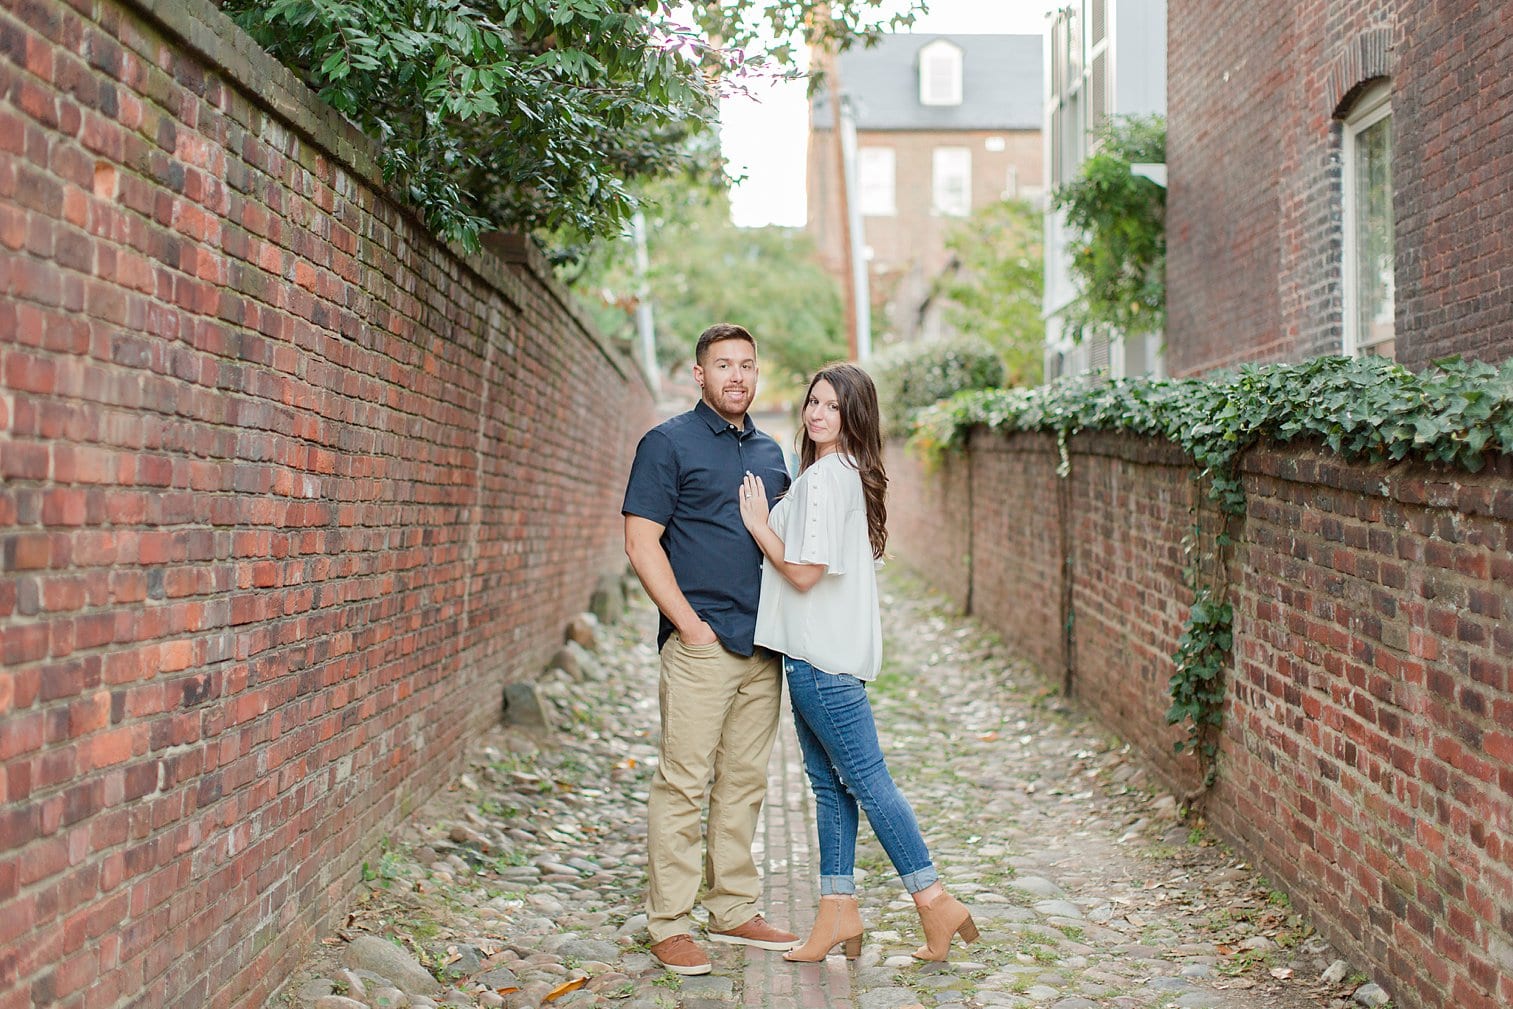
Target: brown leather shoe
(758,933)
(681,955)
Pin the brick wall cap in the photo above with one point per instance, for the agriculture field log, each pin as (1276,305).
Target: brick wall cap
(1314,464)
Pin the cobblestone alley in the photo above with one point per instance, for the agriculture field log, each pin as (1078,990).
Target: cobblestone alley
(521,885)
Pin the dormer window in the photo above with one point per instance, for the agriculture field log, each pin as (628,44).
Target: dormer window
(940,74)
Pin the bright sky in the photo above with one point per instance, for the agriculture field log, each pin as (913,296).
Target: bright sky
(764,136)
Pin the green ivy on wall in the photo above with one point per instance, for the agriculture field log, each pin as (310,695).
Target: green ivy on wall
(1369,409)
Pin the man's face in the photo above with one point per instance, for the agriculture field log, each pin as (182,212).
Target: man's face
(728,378)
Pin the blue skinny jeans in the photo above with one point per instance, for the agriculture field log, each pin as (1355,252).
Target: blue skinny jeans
(847,771)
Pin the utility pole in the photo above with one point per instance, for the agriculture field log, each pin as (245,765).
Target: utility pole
(823,55)
(645,327)
(861,298)
(831,66)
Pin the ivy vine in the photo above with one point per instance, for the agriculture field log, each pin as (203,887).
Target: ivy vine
(1365,409)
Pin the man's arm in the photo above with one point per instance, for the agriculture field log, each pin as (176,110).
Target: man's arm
(643,545)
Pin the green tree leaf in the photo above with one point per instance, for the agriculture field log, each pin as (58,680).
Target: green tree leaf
(1118,220)
(525,116)
(993,286)
(703,269)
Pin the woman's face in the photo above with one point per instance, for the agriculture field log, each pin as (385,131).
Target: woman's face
(822,418)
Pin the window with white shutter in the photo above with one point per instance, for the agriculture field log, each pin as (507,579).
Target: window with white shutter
(1369,277)
(940,74)
(951,181)
(875,170)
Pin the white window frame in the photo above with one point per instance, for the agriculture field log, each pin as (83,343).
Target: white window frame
(877,181)
(944,165)
(949,56)
(1374,105)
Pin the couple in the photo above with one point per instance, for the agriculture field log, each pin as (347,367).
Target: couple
(697,530)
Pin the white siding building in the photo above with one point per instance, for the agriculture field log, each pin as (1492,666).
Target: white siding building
(1103,58)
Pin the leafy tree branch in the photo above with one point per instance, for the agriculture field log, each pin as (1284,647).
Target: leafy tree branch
(532,115)
(1118,223)
(704,269)
(993,285)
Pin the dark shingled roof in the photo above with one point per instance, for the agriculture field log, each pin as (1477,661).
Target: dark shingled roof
(1000,86)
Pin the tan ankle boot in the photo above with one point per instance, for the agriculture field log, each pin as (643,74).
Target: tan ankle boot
(942,918)
(839,921)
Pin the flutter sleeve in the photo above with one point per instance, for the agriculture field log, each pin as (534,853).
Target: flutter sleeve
(814,523)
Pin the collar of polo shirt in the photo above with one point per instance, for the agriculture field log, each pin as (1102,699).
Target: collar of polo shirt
(719,425)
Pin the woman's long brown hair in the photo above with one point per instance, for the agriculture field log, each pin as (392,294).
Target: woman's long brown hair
(861,440)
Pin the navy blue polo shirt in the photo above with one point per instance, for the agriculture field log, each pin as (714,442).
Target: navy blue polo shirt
(687,478)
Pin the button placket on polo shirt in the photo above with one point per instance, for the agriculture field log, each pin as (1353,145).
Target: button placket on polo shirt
(740,447)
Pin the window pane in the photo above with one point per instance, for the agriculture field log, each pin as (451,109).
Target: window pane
(940,74)
(952,183)
(1373,237)
(941,79)
(874,169)
(1069,139)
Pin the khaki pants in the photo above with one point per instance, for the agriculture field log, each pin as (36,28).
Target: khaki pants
(719,716)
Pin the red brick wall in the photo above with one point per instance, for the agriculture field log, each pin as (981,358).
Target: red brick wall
(1018,578)
(929,511)
(1367,754)
(1230,152)
(1368,757)
(290,492)
(916,233)
(1253,210)
(1130,508)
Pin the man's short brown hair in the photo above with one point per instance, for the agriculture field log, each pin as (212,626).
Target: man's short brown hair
(721,331)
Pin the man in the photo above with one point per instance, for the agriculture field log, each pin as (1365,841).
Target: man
(719,694)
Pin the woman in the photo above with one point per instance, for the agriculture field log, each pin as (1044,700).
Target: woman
(819,608)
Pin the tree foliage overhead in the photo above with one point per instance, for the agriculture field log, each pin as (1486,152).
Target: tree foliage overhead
(530,114)
(703,270)
(1118,221)
(994,286)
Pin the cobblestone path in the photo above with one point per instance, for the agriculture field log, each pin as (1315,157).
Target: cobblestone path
(522,884)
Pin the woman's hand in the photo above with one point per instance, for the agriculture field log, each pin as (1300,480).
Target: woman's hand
(753,503)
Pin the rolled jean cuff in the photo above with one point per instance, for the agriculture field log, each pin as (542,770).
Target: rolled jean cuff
(920,878)
(840,885)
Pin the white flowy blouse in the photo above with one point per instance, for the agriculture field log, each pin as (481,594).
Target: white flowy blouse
(836,626)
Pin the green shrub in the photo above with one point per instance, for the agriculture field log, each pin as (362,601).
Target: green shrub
(1117,223)
(918,375)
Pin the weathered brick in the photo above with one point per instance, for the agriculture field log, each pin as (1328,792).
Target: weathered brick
(1367,691)
(216,412)
(1255,247)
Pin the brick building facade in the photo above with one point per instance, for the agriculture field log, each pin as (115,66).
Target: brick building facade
(288,492)
(1263,98)
(924,161)
(1105,59)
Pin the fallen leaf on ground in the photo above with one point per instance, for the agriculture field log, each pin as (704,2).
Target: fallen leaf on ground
(565,987)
